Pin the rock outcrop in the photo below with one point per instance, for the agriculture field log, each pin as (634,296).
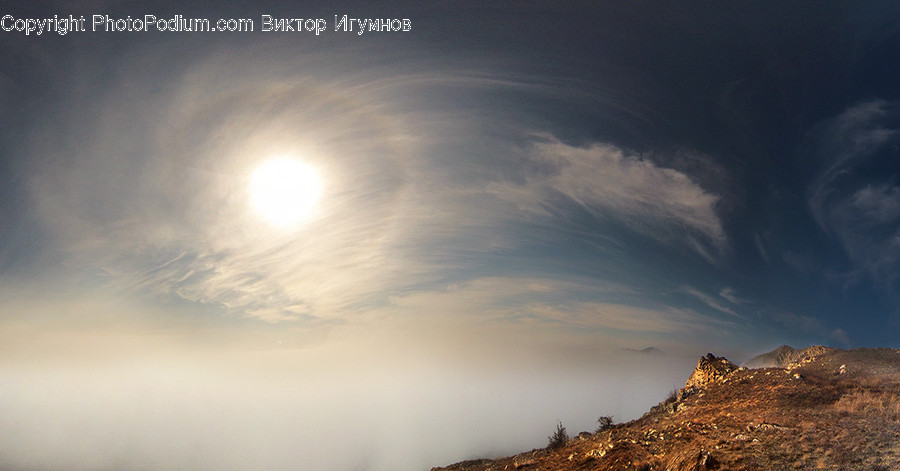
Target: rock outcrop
(709,369)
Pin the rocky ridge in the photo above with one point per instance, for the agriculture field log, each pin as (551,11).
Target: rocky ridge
(784,355)
(826,408)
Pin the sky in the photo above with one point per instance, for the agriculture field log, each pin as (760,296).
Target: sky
(501,206)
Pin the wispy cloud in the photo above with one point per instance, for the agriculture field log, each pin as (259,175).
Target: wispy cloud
(555,306)
(761,248)
(710,301)
(857,206)
(877,205)
(729,294)
(842,143)
(158,201)
(658,202)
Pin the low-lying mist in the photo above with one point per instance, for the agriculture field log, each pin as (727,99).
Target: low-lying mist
(94,391)
(125,400)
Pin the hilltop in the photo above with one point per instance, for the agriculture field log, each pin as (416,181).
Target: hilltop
(783,356)
(819,408)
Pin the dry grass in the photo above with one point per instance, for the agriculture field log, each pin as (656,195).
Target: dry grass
(884,404)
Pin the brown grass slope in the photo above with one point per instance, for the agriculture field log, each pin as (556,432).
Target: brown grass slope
(807,415)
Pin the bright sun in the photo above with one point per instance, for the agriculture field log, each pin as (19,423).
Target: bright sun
(284,191)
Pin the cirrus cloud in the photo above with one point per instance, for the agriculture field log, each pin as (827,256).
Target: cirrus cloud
(607,181)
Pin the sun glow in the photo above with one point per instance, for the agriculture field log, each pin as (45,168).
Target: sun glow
(285,191)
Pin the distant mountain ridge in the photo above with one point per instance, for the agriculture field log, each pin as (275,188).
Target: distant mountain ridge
(646,351)
(826,408)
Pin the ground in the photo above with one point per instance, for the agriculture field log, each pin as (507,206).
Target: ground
(808,415)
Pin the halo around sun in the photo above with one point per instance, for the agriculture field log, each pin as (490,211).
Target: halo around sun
(284,191)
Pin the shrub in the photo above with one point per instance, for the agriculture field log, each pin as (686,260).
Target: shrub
(559,438)
(673,395)
(605,422)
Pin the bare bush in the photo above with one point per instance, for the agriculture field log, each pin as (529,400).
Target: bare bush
(606,423)
(559,438)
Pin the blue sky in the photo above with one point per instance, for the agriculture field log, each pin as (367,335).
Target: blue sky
(505,187)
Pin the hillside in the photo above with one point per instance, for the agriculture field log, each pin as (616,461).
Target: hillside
(825,409)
